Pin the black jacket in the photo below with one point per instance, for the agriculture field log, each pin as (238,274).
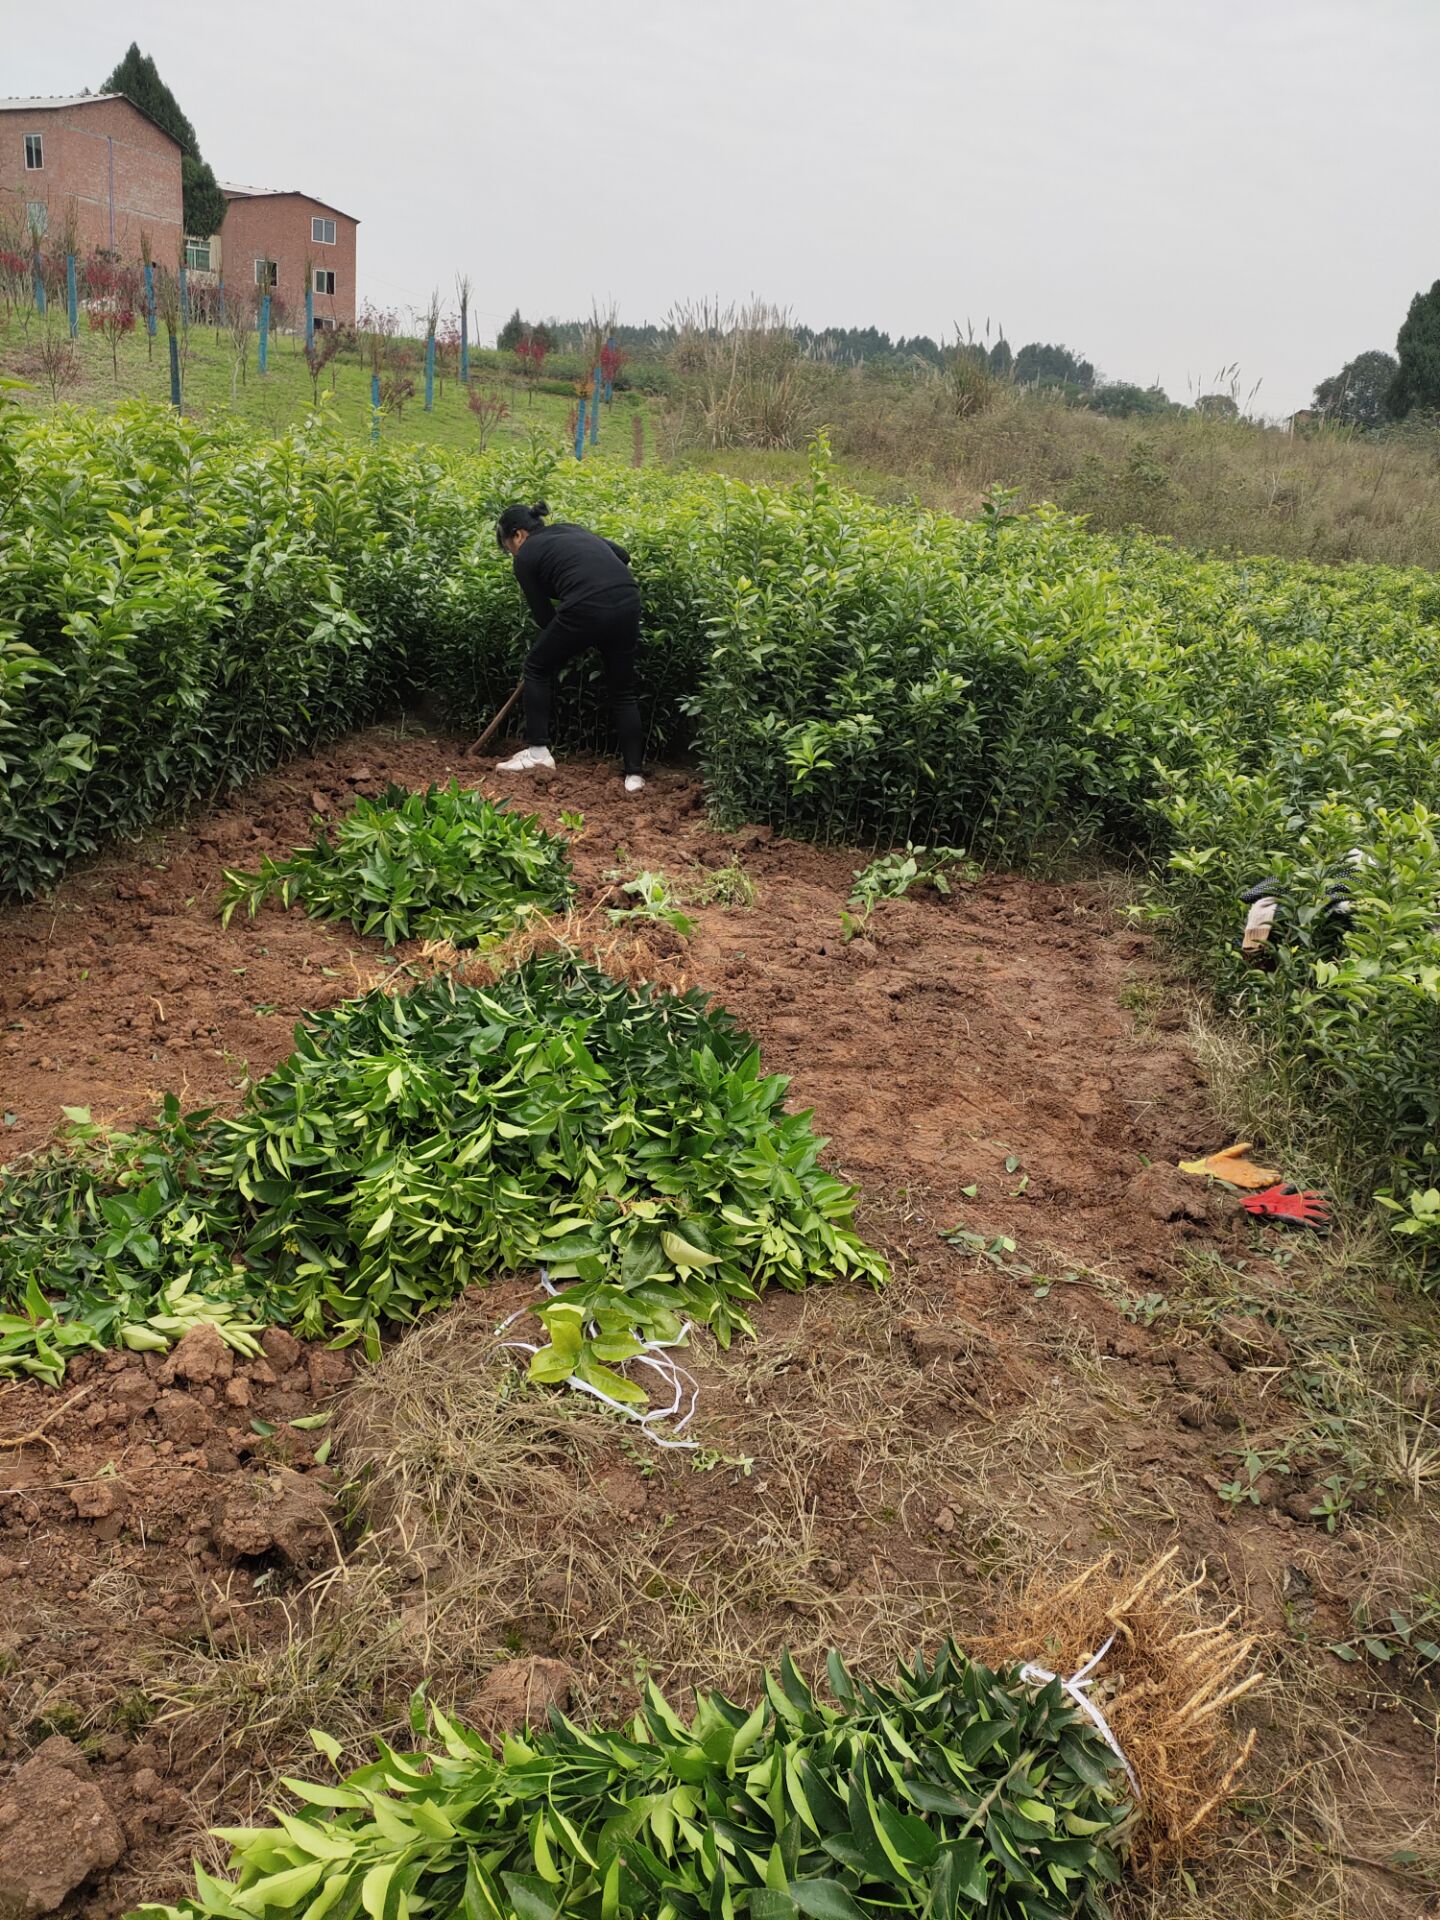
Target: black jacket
(566,568)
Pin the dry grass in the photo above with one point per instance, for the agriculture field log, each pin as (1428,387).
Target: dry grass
(499,1520)
(512,1501)
(334,1654)
(1205,483)
(647,955)
(874,1507)
(1219,486)
(1362,1383)
(739,377)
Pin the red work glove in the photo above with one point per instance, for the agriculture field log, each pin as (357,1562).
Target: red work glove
(1291,1205)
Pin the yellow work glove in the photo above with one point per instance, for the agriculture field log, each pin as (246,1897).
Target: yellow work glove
(1232,1167)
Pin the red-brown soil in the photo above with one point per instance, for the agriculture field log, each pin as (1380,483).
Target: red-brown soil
(979,1041)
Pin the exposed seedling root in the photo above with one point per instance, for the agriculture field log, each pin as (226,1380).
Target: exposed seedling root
(1167,1687)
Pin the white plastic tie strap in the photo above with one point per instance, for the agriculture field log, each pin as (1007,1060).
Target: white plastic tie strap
(1076,1686)
(657,1357)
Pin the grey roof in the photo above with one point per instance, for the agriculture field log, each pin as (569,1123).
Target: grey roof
(10,103)
(51,103)
(232,191)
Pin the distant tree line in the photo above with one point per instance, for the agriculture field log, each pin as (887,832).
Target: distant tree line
(1372,389)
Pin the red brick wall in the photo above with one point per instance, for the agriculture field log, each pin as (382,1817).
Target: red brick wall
(120,173)
(277,227)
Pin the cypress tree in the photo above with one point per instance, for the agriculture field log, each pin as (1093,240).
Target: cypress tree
(138,78)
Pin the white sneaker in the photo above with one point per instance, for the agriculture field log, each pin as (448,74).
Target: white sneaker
(527,760)
(634,783)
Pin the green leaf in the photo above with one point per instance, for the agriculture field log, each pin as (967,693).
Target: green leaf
(530,1897)
(682,1253)
(906,1838)
(379,1228)
(327,1744)
(767,1903)
(375,1888)
(825,1900)
(610,1891)
(965,1863)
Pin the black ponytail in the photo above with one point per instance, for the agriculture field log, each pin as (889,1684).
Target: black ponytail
(520,520)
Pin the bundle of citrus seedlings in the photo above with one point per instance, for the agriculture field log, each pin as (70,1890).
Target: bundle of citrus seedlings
(951,1792)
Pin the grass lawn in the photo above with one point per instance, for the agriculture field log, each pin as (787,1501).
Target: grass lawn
(212,385)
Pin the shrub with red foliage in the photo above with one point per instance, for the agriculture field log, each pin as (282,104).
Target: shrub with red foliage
(612,359)
(112,295)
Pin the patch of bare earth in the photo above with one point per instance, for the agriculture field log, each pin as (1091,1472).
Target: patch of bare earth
(184,1590)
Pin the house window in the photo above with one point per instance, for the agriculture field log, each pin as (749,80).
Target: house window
(322,232)
(197,255)
(37,217)
(267,273)
(34,152)
(324,280)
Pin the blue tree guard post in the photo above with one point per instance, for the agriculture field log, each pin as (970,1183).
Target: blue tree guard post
(430,370)
(374,406)
(264,355)
(464,349)
(221,292)
(580,430)
(150,298)
(72,299)
(174,366)
(597,389)
(309,318)
(38,269)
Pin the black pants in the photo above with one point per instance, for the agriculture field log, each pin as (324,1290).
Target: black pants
(615,632)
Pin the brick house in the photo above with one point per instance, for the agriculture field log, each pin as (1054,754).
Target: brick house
(98,157)
(278,238)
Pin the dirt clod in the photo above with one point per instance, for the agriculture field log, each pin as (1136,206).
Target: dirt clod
(95,1499)
(286,1513)
(1246,1341)
(201,1358)
(55,1831)
(282,1349)
(520,1693)
(1167,1194)
(931,1344)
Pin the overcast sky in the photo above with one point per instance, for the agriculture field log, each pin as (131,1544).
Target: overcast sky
(1169,186)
